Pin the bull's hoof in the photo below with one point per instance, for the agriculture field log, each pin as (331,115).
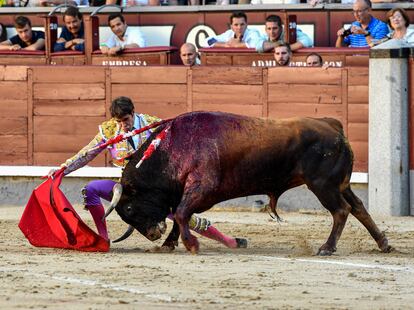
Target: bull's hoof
(162,249)
(170,244)
(191,244)
(388,249)
(194,250)
(384,247)
(241,243)
(326,250)
(324,253)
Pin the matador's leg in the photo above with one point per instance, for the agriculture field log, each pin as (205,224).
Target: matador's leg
(204,227)
(92,194)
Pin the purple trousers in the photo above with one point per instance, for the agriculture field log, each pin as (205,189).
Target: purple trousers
(95,190)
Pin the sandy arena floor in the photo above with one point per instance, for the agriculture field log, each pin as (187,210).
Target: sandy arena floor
(277,270)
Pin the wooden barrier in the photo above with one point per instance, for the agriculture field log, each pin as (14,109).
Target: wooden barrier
(14,120)
(61,109)
(146,56)
(23,57)
(336,57)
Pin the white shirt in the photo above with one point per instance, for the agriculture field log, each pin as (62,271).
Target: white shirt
(131,36)
(406,41)
(251,37)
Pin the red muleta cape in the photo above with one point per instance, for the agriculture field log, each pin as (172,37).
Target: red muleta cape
(49,220)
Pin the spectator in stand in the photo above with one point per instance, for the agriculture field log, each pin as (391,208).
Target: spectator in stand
(26,38)
(123,37)
(282,54)
(274,33)
(72,35)
(399,21)
(239,36)
(188,55)
(364,30)
(3,33)
(315,60)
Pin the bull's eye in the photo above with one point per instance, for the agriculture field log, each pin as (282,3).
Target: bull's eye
(129,209)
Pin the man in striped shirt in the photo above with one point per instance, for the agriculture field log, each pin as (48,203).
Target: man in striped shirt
(364,30)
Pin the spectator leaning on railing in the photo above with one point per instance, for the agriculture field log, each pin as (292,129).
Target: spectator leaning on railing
(364,30)
(238,36)
(122,37)
(71,37)
(274,33)
(26,38)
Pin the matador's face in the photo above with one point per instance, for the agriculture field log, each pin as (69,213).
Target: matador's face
(126,122)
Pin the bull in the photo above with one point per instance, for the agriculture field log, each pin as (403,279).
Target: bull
(210,157)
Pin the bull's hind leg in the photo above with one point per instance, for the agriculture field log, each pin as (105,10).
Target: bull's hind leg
(332,200)
(358,210)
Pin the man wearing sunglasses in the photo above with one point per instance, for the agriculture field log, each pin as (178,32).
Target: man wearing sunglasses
(364,30)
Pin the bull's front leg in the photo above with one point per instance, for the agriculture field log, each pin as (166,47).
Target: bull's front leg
(198,195)
(172,240)
(182,216)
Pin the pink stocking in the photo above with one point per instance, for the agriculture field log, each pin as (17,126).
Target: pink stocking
(97,213)
(213,233)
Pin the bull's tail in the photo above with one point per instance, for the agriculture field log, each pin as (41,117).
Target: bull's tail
(346,150)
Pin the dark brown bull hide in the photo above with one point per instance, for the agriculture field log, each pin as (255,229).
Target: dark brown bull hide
(207,158)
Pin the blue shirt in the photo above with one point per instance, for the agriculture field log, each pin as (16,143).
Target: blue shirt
(377,29)
(36,35)
(67,35)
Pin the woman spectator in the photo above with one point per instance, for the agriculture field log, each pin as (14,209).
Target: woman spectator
(399,21)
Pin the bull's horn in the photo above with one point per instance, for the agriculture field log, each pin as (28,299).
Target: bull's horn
(117,190)
(126,234)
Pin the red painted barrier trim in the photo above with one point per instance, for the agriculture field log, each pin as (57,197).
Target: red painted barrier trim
(22,52)
(67,53)
(140,50)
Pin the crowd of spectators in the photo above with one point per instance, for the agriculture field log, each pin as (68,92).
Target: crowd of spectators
(365,31)
(131,3)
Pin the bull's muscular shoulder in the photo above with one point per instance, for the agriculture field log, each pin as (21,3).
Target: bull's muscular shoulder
(109,129)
